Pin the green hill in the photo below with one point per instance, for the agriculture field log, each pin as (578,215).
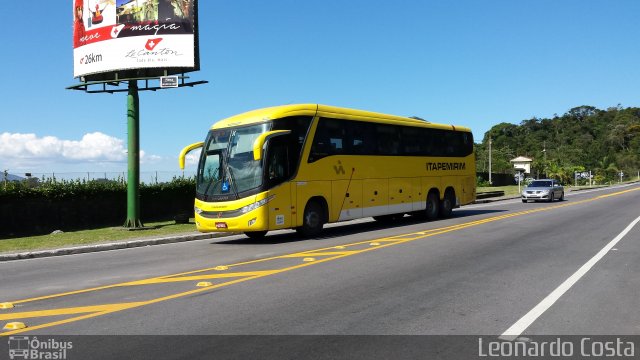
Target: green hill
(584,138)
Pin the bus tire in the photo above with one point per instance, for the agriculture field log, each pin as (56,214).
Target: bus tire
(312,220)
(432,206)
(446,205)
(256,235)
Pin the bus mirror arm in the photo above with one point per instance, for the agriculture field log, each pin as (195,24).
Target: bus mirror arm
(186,150)
(258,144)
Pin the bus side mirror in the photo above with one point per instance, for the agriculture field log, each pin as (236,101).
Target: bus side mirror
(186,150)
(258,144)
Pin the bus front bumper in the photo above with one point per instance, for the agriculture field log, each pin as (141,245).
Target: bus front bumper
(254,220)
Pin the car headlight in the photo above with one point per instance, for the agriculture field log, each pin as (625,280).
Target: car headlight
(545,191)
(256,205)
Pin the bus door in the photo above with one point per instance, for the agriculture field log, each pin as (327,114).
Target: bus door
(277,173)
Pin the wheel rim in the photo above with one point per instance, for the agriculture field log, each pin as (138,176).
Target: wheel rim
(313,219)
(430,207)
(447,204)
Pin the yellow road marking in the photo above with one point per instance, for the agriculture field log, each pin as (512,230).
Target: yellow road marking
(317,253)
(200,277)
(69,311)
(394,240)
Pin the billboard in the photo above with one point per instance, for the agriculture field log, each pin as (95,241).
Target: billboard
(134,38)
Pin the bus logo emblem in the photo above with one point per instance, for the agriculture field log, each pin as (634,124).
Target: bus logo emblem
(338,169)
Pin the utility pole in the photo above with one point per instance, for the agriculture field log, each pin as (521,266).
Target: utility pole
(490,182)
(133,151)
(544,152)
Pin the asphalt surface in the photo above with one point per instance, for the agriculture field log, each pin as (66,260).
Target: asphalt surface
(478,273)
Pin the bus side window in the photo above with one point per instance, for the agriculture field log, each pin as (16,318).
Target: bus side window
(388,139)
(361,138)
(329,139)
(299,127)
(411,141)
(277,161)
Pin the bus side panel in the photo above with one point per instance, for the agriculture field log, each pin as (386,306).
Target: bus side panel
(375,198)
(346,203)
(468,190)
(400,196)
(418,196)
(308,189)
(428,183)
(293,188)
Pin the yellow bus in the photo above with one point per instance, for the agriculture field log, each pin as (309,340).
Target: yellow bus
(302,166)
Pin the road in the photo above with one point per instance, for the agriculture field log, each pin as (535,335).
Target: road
(505,269)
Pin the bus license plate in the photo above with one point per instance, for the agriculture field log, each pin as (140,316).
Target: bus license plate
(221,225)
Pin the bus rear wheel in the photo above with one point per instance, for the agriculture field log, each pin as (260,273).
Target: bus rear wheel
(446,205)
(312,220)
(255,234)
(432,206)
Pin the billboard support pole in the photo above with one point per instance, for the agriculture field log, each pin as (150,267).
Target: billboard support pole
(133,159)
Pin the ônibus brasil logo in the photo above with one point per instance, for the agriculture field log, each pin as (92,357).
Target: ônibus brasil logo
(26,347)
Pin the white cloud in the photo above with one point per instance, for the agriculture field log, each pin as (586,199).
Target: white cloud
(19,150)
(192,158)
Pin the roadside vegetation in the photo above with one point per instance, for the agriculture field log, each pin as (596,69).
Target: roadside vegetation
(95,236)
(585,138)
(40,206)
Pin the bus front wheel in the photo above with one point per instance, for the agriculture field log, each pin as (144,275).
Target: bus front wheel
(312,220)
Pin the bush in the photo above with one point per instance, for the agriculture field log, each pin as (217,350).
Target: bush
(39,207)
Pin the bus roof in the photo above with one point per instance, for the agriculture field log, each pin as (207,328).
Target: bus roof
(276,112)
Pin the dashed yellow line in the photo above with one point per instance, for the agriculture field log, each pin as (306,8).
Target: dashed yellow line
(328,253)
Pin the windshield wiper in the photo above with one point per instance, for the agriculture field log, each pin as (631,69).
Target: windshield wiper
(233,181)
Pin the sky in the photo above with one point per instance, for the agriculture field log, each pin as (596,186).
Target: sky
(474,63)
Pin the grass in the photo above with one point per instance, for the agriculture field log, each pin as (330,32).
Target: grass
(509,190)
(86,237)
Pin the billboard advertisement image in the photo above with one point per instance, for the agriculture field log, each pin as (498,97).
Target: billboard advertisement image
(123,35)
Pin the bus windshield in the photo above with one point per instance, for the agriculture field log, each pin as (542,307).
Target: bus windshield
(227,165)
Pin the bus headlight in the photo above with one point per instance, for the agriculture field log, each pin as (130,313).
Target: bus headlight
(256,205)
(197,210)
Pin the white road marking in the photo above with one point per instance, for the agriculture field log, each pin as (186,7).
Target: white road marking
(521,325)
